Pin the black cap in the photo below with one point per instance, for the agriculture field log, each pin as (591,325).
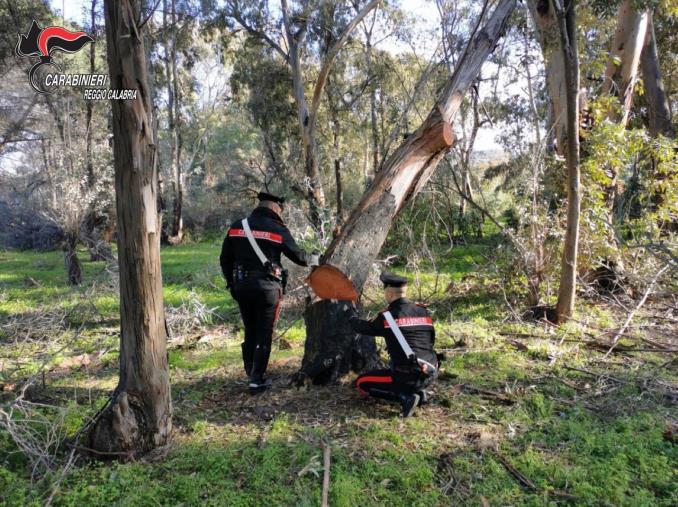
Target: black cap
(264,196)
(392,280)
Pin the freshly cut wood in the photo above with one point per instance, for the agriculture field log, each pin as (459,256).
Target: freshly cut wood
(329,282)
(139,417)
(329,341)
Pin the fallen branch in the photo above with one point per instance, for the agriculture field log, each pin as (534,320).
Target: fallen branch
(514,472)
(326,474)
(527,483)
(487,393)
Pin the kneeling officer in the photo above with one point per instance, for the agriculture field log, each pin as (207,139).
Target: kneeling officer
(250,262)
(410,336)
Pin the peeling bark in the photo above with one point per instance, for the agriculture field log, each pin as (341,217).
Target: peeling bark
(139,417)
(402,176)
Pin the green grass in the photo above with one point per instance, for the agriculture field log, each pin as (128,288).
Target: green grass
(600,441)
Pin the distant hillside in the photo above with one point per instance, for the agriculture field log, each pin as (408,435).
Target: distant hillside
(482,159)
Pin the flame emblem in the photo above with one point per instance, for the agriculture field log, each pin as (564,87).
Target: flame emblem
(42,42)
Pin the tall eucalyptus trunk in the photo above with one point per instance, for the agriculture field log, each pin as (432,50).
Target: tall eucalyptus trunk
(139,417)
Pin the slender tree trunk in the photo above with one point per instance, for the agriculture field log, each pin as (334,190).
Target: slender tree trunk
(90,104)
(546,24)
(622,69)
(139,416)
(374,126)
(71,260)
(329,344)
(568,274)
(336,154)
(170,16)
(307,116)
(659,115)
(466,187)
(314,190)
(98,247)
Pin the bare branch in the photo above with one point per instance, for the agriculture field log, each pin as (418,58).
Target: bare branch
(332,54)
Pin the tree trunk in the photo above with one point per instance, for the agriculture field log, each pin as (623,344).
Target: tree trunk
(314,190)
(90,103)
(622,68)
(139,416)
(177,229)
(73,269)
(99,249)
(402,176)
(659,116)
(546,24)
(307,117)
(340,190)
(568,274)
(376,154)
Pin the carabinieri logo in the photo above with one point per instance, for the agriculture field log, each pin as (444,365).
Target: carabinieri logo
(42,42)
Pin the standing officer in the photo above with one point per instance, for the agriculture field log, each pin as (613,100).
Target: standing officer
(250,262)
(409,333)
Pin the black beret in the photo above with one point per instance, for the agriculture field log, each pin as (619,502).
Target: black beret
(392,280)
(263,196)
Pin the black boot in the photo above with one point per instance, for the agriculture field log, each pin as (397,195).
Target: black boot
(423,397)
(259,385)
(247,358)
(409,403)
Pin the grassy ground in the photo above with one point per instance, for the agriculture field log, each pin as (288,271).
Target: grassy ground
(522,414)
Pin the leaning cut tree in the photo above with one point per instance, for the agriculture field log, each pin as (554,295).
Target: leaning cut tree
(331,348)
(139,416)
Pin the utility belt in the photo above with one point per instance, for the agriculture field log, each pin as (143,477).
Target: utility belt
(271,272)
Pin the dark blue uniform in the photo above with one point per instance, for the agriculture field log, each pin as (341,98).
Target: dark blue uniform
(406,376)
(258,289)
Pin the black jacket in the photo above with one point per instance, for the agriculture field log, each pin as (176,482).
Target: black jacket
(272,236)
(414,321)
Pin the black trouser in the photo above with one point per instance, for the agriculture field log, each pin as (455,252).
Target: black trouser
(259,302)
(392,384)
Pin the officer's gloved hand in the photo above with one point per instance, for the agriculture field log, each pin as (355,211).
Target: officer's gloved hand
(348,308)
(315,259)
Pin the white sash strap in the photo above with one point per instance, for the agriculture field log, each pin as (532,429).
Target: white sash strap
(406,346)
(398,334)
(253,242)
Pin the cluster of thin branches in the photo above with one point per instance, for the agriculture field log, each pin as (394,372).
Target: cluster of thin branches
(191,315)
(37,429)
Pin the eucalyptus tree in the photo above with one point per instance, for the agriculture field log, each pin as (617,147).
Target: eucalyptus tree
(139,417)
